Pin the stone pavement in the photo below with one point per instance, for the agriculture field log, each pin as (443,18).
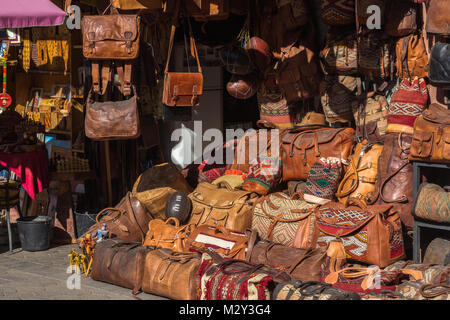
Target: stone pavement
(42,275)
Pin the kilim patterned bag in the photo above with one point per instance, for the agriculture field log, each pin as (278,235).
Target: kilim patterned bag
(340,55)
(222,279)
(338,12)
(263,175)
(311,290)
(276,217)
(432,203)
(375,55)
(370,234)
(274,109)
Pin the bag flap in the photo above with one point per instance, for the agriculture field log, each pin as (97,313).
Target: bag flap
(110,27)
(306,140)
(337,221)
(437,114)
(184,83)
(214,196)
(424,136)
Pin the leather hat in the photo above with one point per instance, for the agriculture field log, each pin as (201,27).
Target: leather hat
(243,86)
(259,51)
(312,120)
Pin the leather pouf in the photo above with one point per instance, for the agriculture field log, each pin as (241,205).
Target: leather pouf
(243,87)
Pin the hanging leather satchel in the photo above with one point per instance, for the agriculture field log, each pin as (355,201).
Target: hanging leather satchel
(361,177)
(431,138)
(299,150)
(182,88)
(411,57)
(276,217)
(112,120)
(438,17)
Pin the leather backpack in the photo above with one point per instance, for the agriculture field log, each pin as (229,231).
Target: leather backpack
(338,12)
(401,18)
(299,150)
(111,37)
(411,57)
(361,176)
(431,137)
(438,17)
(440,64)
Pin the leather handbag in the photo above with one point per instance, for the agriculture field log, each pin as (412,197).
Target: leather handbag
(338,97)
(438,17)
(301,264)
(401,18)
(370,234)
(228,243)
(338,12)
(297,73)
(221,206)
(432,203)
(340,55)
(431,137)
(244,280)
(127,221)
(438,252)
(299,150)
(171,274)
(276,217)
(411,57)
(440,64)
(371,116)
(182,88)
(162,234)
(395,176)
(155,185)
(112,120)
(311,290)
(375,55)
(120,263)
(361,176)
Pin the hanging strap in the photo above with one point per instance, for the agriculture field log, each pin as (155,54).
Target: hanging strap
(124,69)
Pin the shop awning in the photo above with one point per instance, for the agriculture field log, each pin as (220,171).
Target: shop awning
(30,13)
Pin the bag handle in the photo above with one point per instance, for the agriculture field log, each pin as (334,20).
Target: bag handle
(445,290)
(356,202)
(177,222)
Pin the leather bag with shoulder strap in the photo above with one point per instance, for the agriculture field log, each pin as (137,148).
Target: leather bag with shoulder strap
(431,137)
(438,17)
(370,234)
(361,176)
(120,263)
(299,150)
(182,88)
(162,234)
(230,244)
(276,217)
(128,221)
(221,206)
(112,120)
(171,274)
(411,57)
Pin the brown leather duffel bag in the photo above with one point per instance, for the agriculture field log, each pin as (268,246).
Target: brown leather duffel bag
(224,207)
(120,263)
(299,150)
(128,221)
(431,138)
(171,274)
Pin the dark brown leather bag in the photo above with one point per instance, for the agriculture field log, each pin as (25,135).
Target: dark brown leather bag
(431,138)
(171,274)
(395,176)
(128,221)
(438,19)
(299,150)
(401,18)
(120,263)
(182,88)
(112,120)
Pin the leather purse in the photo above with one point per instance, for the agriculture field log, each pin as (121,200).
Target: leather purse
(431,137)
(340,55)
(440,65)
(230,244)
(245,281)
(127,221)
(401,18)
(395,174)
(276,217)
(171,274)
(361,176)
(221,206)
(120,263)
(299,150)
(438,17)
(411,57)
(182,88)
(162,234)
(112,120)
(432,203)
(311,290)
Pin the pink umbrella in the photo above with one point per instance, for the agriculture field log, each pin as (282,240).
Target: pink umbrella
(30,13)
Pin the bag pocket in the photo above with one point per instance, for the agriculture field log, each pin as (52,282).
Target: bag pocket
(446,147)
(422,144)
